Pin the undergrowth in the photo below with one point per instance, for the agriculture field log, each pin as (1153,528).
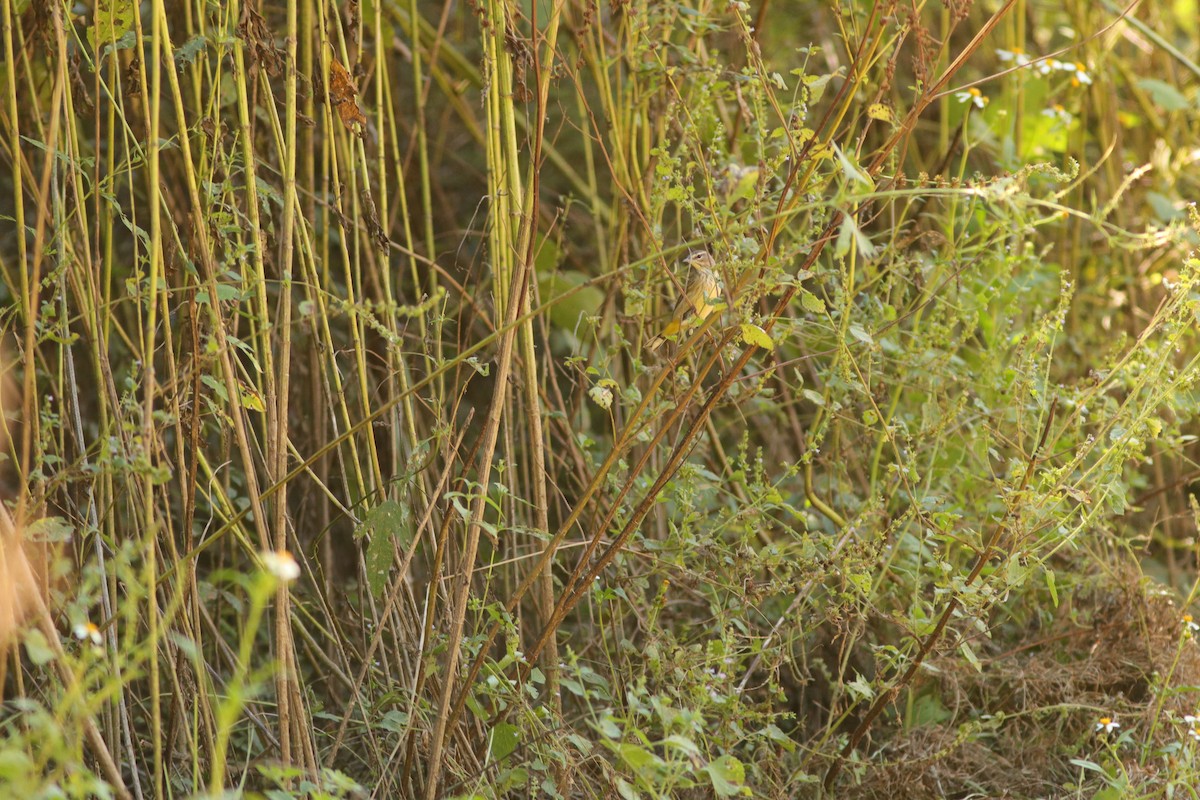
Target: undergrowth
(338,464)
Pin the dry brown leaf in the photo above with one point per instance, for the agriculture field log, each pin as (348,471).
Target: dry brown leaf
(344,95)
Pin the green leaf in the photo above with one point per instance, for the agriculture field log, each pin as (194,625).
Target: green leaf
(186,646)
(816,86)
(756,336)
(126,42)
(860,581)
(881,112)
(728,776)
(851,232)
(387,523)
(186,53)
(15,766)
(1164,94)
(682,744)
(504,740)
(217,386)
(575,304)
(853,172)
(1164,207)
(608,727)
(394,721)
(228,292)
(249,398)
(860,688)
(37,648)
(928,710)
(970,656)
(857,332)
(1051,587)
(1088,765)
(112,19)
(626,791)
(811,302)
(638,758)
(268,193)
(773,734)
(50,529)
(746,182)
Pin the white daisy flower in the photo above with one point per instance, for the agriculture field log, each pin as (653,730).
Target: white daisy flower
(1048,65)
(973,96)
(1015,55)
(1057,112)
(1079,74)
(281,564)
(87,631)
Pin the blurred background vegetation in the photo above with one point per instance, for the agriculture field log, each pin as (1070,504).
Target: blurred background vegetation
(368,285)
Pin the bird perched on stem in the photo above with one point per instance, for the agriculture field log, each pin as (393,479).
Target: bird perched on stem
(699,298)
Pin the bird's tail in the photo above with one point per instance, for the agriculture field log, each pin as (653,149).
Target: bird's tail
(672,328)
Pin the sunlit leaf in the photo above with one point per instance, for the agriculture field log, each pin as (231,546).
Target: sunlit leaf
(727,775)
(112,19)
(754,335)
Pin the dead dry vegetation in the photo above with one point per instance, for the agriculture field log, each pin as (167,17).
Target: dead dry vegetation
(347,461)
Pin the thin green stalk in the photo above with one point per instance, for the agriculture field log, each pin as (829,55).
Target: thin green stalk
(506,195)
(152,92)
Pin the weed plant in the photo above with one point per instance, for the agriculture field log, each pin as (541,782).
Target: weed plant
(337,465)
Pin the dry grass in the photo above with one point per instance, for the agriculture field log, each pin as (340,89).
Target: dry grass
(372,283)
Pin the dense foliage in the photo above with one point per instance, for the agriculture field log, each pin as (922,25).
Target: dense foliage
(338,462)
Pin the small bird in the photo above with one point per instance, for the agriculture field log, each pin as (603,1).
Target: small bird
(699,298)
